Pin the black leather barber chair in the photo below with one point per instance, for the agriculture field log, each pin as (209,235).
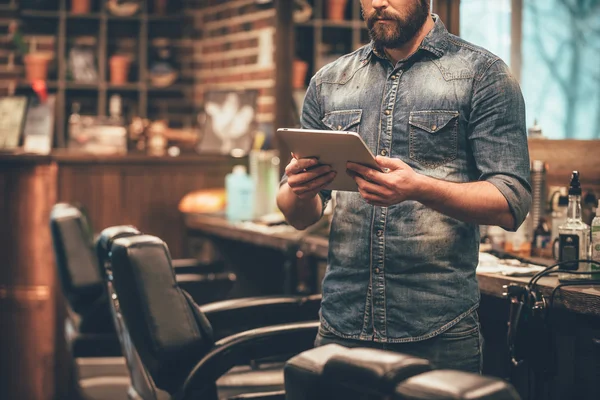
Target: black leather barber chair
(90,332)
(180,350)
(90,335)
(334,372)
(454,385)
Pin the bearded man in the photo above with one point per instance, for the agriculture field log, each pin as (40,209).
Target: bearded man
(447,121)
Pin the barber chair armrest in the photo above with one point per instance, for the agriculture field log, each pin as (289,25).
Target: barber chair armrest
(205,287)
(229,317)
(192,265)
(276,395)
(244,347)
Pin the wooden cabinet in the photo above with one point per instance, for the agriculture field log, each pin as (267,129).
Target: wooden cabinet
(101,35)
(325,37)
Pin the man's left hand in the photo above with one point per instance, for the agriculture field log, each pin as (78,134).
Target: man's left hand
(396,184)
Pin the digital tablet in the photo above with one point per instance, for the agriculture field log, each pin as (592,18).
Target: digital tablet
(334,148)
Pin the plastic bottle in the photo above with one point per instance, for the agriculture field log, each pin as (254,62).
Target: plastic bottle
(574,236)
(239,188)
(596,243)
(541,238)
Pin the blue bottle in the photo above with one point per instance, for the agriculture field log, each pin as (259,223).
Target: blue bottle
(239,188)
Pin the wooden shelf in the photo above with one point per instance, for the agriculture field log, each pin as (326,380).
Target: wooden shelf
(30,13)
(39,14)
(176,87)
(320,33)
(326,23)
(51,85)
(107,29)
(130,86)
(81,86)
(167,18)
(95,15)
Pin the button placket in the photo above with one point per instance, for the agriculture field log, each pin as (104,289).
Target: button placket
(388,119)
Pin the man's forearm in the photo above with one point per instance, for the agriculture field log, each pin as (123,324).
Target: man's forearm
(475,202)
(300,213)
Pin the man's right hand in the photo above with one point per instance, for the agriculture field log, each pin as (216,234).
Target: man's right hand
(306,177)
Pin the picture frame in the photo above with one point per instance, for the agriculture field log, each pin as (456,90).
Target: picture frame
(228,122)
(38,131)
(12,117)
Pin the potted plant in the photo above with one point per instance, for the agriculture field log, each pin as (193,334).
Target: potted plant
(36,62)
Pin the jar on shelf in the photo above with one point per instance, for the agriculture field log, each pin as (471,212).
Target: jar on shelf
(119,69)
(336,9)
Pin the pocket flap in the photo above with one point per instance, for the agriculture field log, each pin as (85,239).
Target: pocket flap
(431,121)
(342,120)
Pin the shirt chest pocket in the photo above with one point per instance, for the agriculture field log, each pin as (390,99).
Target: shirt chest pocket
(433,137)
(343,120)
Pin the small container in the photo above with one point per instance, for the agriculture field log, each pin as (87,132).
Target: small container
(119,69)
(239,188)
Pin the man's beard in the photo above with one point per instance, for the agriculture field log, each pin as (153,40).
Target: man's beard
(398,30)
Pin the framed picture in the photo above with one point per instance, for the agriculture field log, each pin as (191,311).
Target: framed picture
(228,122)
(39,125)
(12,116)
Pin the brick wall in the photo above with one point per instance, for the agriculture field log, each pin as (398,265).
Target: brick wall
(9,70)
(235,50)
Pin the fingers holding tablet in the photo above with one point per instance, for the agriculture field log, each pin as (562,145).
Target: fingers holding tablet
(306,177)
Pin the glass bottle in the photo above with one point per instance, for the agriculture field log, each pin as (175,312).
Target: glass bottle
(595,247)
(574,236)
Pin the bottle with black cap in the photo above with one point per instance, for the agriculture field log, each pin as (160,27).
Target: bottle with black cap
(574,236)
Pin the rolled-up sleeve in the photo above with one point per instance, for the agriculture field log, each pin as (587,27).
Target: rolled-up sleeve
(311,118)
(498,137)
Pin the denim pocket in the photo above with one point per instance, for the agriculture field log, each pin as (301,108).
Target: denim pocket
(433,137)
(343,120)
(468,326)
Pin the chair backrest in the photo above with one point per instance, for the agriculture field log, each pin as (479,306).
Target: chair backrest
(372,373)
(454,385)
(141,381)
(166,327)
(78,270)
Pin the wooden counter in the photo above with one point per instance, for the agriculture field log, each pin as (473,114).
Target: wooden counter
(139,190)
(580,299)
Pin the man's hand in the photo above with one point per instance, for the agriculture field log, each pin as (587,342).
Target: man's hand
(398,183)
(306,177)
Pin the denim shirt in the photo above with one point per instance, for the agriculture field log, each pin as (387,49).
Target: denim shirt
(452,111)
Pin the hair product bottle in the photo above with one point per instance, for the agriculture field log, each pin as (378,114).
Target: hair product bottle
(574,236)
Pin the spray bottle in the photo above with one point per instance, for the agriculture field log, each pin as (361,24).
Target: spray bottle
(574,236)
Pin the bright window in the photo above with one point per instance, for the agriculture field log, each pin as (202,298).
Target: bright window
(560,58)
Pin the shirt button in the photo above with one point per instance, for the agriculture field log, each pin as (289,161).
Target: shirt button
(393,77)
(433,127)
(380,233)
(376,270)
(387,112)
(384,152)
(339,127)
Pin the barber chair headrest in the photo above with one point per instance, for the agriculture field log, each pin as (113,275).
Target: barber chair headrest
(167,328)
(108,236)
(454,385)
(77,267)
(371,370)
(304,373)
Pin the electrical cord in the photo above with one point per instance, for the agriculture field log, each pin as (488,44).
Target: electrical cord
(548,270)
(536,377)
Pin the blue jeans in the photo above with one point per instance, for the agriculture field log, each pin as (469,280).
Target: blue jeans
(458,348)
